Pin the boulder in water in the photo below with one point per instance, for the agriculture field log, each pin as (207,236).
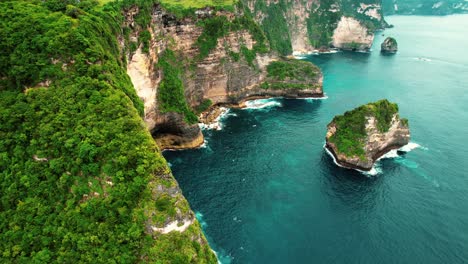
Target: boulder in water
(389,45)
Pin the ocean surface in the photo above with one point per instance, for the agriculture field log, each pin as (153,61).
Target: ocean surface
(265,191)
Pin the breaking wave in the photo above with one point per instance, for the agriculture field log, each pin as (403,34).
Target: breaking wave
(392,154)
(217,124)
(262,104)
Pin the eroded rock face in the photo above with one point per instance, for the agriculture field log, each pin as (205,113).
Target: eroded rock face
(389,45)
(314,25)
(350,34)
(217,77)
(375,143)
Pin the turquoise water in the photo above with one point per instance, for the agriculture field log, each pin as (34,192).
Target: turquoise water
(266,192)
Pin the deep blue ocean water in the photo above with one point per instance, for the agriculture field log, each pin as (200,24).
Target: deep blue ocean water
(265,191)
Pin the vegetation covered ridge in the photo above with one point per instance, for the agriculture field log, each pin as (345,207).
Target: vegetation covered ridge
(81,178)
(351,133)
(291,74)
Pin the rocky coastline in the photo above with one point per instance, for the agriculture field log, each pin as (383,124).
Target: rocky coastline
(192,137)
(360,137)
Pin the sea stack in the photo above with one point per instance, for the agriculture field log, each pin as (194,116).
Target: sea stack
(359,137)
(389,45)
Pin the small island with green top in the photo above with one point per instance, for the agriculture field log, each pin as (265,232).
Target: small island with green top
(389,46)
(359,137)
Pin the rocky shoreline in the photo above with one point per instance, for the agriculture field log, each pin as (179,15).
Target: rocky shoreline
(358,138)
(211,116)
(345,164)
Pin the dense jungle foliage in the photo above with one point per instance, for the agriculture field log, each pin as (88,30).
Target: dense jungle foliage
(171,89)
(78,168)
(275,25)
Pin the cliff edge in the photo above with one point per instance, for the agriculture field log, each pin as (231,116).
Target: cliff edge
(182,66)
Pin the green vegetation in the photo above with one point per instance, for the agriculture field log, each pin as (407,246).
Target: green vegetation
(321,23)
(284,85)
(351,127)
(404,121)
(275,25)
(392,41)
(78,169)
(389,45)
(219,26)
(290,74)
(171,89)
(205,104)
(292,69)
(213,29)
(144,38)
(187,4)
(187,8)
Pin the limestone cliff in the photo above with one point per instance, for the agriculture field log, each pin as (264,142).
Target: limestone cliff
(305,26)
(350,34)
(361,136)
(231,71)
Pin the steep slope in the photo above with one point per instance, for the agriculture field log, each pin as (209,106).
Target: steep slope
(304,26)
(192,62)
(81,178)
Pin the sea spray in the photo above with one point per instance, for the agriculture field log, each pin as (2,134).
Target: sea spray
(217,123)
(199,217)
(312,99)
(262,104)
(392,154)
(373,171)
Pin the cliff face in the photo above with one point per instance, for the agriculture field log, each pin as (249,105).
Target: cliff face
(352,35)
(318,24)
(229,73)
(361,136)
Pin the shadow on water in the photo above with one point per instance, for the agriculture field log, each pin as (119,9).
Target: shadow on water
(301,105)
(349,186)
(387,54)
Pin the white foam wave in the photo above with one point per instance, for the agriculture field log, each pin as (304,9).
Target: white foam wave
(331,51)
(262,103)
(372,172)
(204,145)
(304,55)
(410,146)
(392,154)
(376,170)
(423,59)
(311,99)
(217,124)
(199,217)
(300,57)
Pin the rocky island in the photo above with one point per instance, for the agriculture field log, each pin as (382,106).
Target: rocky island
(359,137)
(389,45)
